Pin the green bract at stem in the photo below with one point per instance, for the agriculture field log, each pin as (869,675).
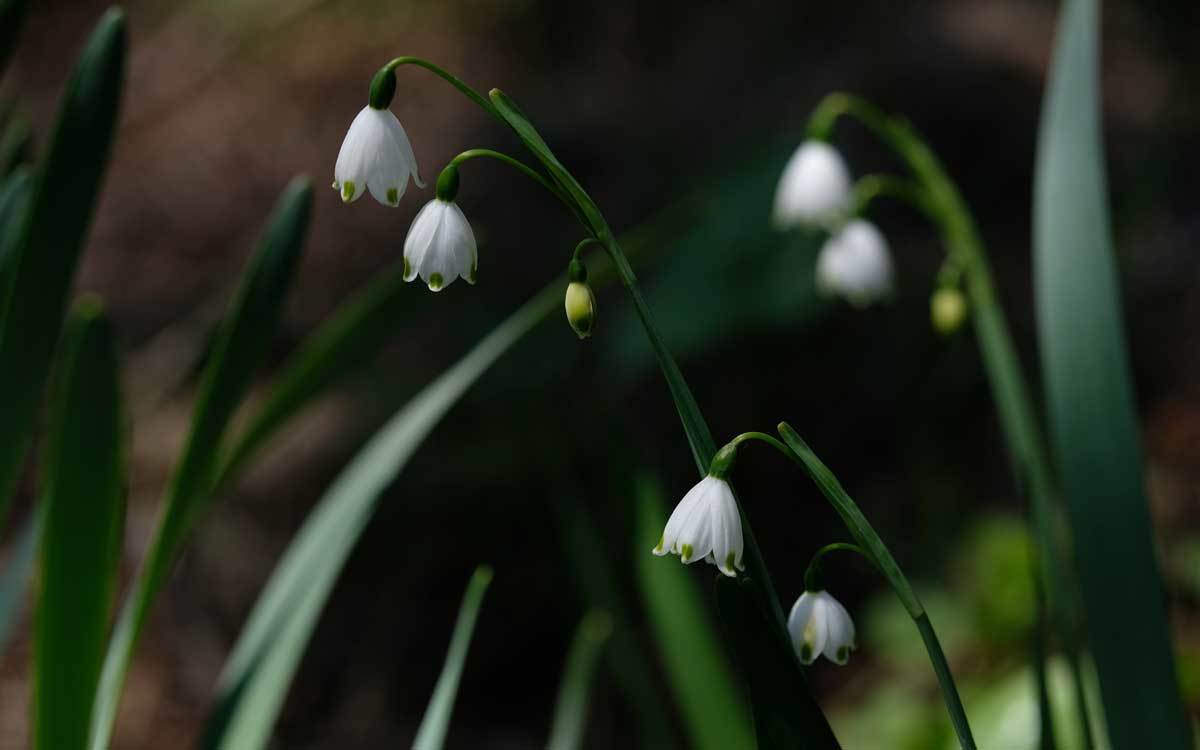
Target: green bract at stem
(813,576)
(1026,445)
(383,84)
(877,552)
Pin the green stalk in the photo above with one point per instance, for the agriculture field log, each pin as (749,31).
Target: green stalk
(864,534)
(945,206)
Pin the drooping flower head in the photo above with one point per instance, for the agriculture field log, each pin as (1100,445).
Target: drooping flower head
(706,526)
(814,188)
(440,246)
(376,154)
(819,624)
(855,263)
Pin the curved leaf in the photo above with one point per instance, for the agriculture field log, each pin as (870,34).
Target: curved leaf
(1090,402)
(260,669)
(240,347)
(50,239)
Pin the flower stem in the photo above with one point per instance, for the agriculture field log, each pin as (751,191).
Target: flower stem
(862,531)
(812,576)
(453,80)
(521,167)
(948,211)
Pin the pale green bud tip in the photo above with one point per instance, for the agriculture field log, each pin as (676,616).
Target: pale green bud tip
(806,654)
(348,191)
(393,196)
(685,553)
(843,654)
(435,281)
(947,310)
(730,559)
(580,304)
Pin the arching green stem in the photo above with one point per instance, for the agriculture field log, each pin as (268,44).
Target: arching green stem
(873,186)
(437,70)
(1026,444)
(813,575)
(521,167)
(877,552)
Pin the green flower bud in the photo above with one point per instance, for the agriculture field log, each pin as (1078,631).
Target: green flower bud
(947,310)
(581,308)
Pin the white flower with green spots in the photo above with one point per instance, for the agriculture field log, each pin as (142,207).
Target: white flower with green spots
(706,526)
(440,246)
(377,156)
(819,624)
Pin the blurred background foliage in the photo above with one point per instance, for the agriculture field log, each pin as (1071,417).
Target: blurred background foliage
(677,117)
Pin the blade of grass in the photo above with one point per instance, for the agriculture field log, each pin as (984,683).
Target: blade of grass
(84,506)
(240,347)
(593,571)
(1090,402)
(698,671)
(432,733)
(570,711)
(16,576)
(264,660)
(51,237)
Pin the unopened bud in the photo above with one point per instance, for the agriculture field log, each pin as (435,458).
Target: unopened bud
(580,301)
(947,310)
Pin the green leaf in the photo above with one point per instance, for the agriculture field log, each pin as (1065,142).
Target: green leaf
(241,344)
(356,331)
(16,574)
(714,713)
(592,569)
(260,669)
(1093,423)
(51,238)
(432,734)
(570,712)
(84,506)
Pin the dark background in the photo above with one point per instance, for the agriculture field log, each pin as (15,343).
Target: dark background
(653,106)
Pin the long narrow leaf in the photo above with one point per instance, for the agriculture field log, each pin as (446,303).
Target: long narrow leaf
(715,715)
(432,733)
(1090,402)
(14,203)
(571,709)
(84,506)
(51,237)
(593,570)
(240,347)
(260,669)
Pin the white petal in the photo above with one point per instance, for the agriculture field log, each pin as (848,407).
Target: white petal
(688,506)
(406,149)
(726,529)
(841,631)
(798,620)
(814,187)
(420,237)
(856,264)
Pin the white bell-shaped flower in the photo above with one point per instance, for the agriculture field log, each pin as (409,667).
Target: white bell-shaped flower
(814,187)
(377,156)
(440,246)
(856,264)
(706,525)
(819,624)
